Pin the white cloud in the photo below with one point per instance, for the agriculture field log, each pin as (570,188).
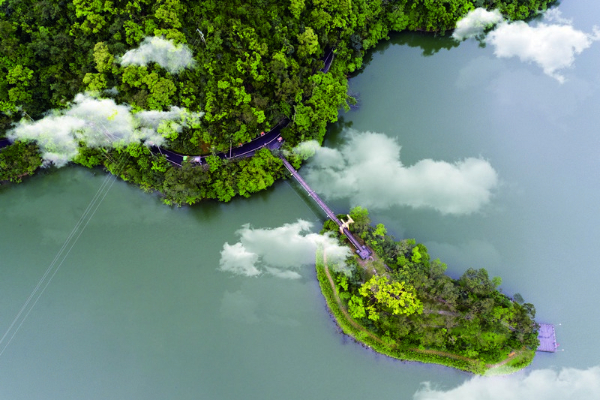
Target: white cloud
(367,170)
(98,123)
(475,23)
(238,260)
(568,384)
(555,15)
(552,47)
(279,251)
(174,58)
(307,149)
(54,136)
(552,44)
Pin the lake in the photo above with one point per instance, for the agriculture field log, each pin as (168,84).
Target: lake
(140,310)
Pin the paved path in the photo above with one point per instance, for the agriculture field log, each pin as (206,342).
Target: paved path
(268,140)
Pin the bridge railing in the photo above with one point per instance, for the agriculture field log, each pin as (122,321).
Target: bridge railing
(362,251)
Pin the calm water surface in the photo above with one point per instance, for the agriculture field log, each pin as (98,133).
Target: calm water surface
(139,310)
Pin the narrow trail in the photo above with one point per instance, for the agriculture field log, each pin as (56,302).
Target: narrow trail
(510,357)
(445,354)
(341,305)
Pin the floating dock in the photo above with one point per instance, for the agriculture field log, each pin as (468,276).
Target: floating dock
(547,337)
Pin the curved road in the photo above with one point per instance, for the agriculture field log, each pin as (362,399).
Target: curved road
(269,139)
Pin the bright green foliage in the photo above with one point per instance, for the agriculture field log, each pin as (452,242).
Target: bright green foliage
(309,43)
(416,255)
(104,60)
(397,297)
(356,307)
(296,7)
(19,74)
(342,281)
(380,230)
(214,163)
(94,82)
(254,176)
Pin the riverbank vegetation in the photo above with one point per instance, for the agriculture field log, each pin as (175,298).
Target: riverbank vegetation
(401,303)
(255,63)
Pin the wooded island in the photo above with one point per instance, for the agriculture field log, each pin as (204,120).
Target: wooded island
(400,303)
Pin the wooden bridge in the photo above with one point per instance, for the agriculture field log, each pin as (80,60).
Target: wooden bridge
(362,251)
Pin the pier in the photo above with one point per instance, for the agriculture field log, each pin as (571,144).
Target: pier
(547,338)
(361,250)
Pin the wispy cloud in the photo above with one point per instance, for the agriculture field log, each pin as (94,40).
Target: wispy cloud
(97,123)
(566,384)
(552,44)
(367,170)
(475,23)
(174,58)
(552,47)
(279,251)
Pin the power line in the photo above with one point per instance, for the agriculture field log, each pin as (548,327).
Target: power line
(72,240)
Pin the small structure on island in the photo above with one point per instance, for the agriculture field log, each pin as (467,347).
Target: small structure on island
(346,225)
(361,250)
(547,338)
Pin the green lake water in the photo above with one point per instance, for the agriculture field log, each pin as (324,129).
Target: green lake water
(139,309)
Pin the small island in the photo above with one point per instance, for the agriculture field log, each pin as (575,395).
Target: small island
(400,303)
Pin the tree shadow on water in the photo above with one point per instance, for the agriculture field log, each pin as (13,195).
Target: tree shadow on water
(429,43)
(335,132)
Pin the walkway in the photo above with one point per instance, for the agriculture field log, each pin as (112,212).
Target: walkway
(547,338)
(362,251)
(268,140)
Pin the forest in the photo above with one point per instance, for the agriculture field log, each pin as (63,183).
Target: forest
(242,66)
(405,301)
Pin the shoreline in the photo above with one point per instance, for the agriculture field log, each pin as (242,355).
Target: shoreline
(370,340)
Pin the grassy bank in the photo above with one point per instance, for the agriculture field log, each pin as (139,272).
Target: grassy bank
(361,334)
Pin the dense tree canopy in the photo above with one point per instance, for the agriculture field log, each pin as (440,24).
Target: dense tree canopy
(406,298)
(256,62)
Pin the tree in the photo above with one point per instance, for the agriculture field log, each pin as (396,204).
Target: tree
(356,307)
(103,58)
(380,230)
(360,215)
(256,64)
(18,160)
(309,42)
(296,7)
(397,297)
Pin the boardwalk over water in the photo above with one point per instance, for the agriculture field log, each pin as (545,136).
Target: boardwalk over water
(362,251)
